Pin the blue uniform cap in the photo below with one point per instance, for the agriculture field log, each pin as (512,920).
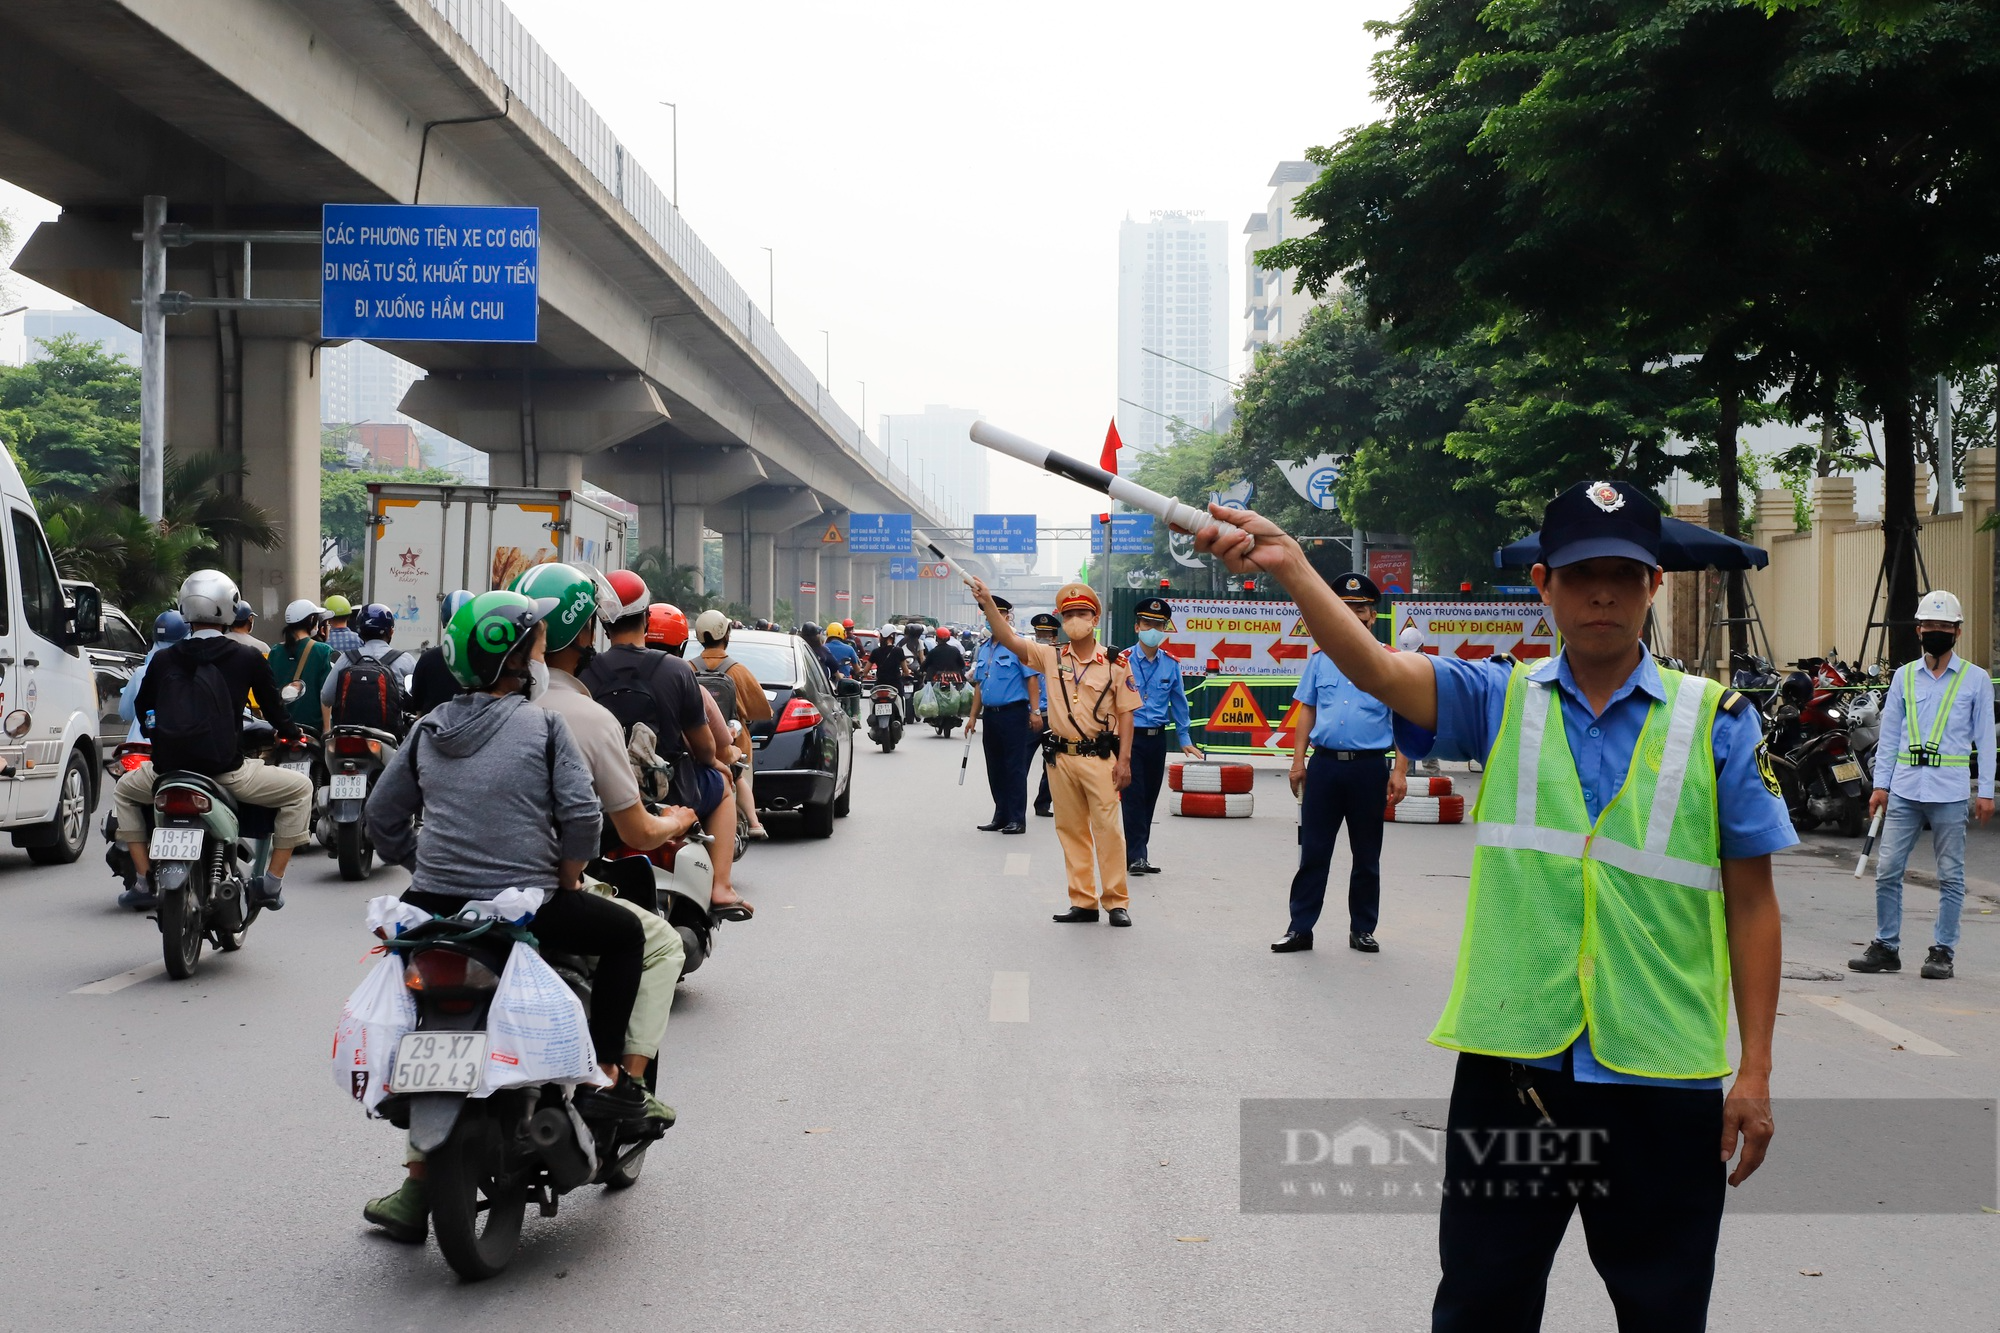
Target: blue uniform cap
(1593,519)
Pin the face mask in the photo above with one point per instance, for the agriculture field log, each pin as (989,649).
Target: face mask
(1152,638)
(538,679)
(1937,642)
(1079,628)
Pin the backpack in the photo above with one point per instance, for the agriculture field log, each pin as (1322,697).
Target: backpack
(370,694)
(197,724)
(715,679)
(667,773)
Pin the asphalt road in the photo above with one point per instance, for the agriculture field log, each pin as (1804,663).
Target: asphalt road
(908,1101)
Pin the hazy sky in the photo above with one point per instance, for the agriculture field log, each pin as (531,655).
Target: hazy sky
(942,185)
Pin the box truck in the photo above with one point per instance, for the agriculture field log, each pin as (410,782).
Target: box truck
(424,541)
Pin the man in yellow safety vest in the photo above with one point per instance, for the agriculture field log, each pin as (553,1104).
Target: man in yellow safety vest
(1621,885)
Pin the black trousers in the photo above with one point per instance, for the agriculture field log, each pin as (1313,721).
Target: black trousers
(1641,1163)
(1044,803)
(1005,745)
(1137,801)
(1354,791)
(576,922)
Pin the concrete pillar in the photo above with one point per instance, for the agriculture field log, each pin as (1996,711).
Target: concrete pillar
(1832,502)
(735,567)
(809,606)
(1923,489)
(688,520)
(553,470)
(763,573)
(281,469)
(836,574)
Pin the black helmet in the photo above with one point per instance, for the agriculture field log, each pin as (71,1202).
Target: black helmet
(1797,688)
(374,621)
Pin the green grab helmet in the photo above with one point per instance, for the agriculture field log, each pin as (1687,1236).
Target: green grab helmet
(575,596)
(485,630)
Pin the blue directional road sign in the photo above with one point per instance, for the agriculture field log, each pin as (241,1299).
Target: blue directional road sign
(878,534)
(429,273)
(1131,534)
(1003,534)
(903,569)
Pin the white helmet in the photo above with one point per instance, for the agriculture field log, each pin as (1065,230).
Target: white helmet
(302,612)
(1938,605)
(711,626)
(888,632)
(1411,639)
(208,597)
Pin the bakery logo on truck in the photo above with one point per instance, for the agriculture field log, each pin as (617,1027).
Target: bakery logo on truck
(409,565)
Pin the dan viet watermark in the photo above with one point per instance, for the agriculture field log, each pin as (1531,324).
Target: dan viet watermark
(1832,1155)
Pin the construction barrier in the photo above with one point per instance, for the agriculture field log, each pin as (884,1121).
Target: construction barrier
(1212,804)
(1222,777)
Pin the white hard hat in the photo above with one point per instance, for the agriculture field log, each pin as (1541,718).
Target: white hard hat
(208,597)
(1940,605)
(711,626)
(1411,639)
(302,610)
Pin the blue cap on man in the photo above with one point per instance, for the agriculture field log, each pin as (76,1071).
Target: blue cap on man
(1593,519)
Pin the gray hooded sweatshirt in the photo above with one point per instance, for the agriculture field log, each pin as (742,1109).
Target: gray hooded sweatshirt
(504,795)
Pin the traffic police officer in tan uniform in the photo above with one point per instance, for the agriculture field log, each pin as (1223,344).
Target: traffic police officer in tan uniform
(1090,702)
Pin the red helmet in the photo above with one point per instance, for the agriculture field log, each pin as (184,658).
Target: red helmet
(622,594)
(944,632)
(847,624)
(666,627)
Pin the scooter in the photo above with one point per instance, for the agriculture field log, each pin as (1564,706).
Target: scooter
(488,1156)
(206,851)
(674,880)
(946,723)
(355,758)
(885,715)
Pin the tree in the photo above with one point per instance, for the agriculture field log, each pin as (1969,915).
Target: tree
(72,416)
(343,498)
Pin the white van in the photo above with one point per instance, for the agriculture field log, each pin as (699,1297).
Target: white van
(49,758)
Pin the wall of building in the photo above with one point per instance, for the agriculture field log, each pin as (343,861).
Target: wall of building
(1173,299)
(953,468)
(1272,311)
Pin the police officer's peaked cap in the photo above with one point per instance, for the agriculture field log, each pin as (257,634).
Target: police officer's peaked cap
(1003,603)
(1044,620)
(1600,518)
(1077,597)
(1154,609)
(1356,588)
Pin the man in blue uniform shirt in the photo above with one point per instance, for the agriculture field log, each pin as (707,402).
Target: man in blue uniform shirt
(1162,703)
(1350,779)
(1000,695)
(1613,907)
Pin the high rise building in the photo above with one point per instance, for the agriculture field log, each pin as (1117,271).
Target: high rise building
(1173,326)
(1272,311)
(361,382)
(936,451)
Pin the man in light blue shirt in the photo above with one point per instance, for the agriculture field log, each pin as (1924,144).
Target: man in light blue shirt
(1939,710)
(1162,704)
(1000,695)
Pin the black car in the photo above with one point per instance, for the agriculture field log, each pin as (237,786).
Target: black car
(804,756)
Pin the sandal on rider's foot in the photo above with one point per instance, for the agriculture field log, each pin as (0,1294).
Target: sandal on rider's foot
(758,833)
(736,911)
(403,1216)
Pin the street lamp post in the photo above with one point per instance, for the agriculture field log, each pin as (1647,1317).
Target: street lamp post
(677,153)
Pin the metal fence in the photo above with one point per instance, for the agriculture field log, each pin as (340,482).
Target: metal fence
(542,89)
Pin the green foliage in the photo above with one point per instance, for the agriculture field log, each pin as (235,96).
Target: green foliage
(72,417)
(343,499)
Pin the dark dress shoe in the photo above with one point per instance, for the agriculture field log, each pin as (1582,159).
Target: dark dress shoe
(1045,814)
(1365,943)
(1141,867)
(1076,914)
(1294,942)
(1120,917)
(991,828)
(1013,828)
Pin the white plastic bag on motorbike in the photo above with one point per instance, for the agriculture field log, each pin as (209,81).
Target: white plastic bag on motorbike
(514,906)
(372,1021)
(389,916)
(536,1031)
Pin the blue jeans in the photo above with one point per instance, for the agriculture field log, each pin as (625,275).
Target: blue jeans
(1900,827)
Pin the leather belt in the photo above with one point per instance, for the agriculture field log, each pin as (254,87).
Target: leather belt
(1149,731)
(1095,749)
(1351,755)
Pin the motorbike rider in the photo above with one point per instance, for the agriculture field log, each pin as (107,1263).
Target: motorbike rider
(196,691)
(506,801)
(431,683)
(913,648)
(376,624)
(891,660)
(240,628)
(169,627)
(947,659)
(810,633)
(300,664)
(338,636)
(712,628)
(845,660)
(639,684)
(601,741)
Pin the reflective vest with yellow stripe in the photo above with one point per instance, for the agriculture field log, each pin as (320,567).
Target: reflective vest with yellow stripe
(1618,925)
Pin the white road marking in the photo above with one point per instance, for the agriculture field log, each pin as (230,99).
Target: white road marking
(1017,864)
(1880,1026)
(1010,998)
(111,985)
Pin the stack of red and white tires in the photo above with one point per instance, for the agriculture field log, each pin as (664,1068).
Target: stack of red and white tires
(1437,803)
(1212,789)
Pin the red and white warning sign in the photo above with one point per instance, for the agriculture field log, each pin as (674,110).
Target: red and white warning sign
(1241,638)
(1479,629)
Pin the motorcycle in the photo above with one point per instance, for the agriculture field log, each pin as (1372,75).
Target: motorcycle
(672,880)
(355,757)
(885,715)
(945,724)
(1820,772)
(206,851)
(488,1157)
